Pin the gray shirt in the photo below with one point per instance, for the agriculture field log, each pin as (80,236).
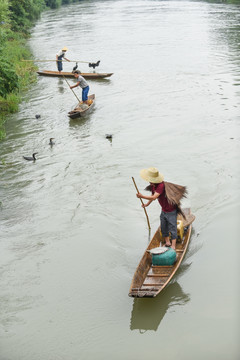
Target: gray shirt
(82,82)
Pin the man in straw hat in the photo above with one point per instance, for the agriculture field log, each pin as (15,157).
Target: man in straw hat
(59,56)
(168,196)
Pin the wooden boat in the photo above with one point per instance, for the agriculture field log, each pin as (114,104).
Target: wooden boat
(150,280)
(70,74)
(79,112)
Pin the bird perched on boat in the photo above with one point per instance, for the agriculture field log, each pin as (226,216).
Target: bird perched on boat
(37,116)
(75,67)
(51,142)
(30,158)
(93,65)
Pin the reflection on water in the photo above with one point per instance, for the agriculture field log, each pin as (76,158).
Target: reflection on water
(147,314)
(77,123)
(61,86)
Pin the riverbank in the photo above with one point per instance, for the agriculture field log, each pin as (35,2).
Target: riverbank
(18,74)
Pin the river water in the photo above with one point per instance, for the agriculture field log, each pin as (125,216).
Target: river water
(72,229)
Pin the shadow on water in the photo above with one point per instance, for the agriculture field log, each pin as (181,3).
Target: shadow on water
(147,313)
(61,85)
(100,81)
(76,123)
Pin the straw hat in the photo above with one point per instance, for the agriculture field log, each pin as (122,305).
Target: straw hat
(151,175)
(64,48)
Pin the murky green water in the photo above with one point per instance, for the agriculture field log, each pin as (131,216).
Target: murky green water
(72,229)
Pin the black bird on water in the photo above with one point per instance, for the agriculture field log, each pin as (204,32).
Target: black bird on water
(93,65)
(30,158)
(51,142)
(37,116)
(75,67)
(108,136)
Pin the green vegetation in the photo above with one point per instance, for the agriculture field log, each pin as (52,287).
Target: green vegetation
(16,19)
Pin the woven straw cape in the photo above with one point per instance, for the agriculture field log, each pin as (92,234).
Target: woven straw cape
(174,194)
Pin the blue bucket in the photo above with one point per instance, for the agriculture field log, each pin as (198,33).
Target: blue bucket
(167,258)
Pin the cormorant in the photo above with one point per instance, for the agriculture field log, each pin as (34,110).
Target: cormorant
(51,142)
(30,158)
(37,116)
(75,67)
(108,136)
(93,65)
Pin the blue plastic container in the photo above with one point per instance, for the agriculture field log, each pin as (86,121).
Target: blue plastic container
(167,258)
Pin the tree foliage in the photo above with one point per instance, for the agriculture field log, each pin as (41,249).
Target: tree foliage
(4,12)
(24,12)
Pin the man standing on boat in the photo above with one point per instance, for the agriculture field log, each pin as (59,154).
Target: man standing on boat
(83,84)
(60,56)
(168,217)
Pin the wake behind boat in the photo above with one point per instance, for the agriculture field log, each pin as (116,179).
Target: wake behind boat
(149,280)
(70,74)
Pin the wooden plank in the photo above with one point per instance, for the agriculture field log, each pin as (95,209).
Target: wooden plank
(147,294)
(162,266)
(157,280)
(159,271)
(152,284)
(157,275)
(153,289)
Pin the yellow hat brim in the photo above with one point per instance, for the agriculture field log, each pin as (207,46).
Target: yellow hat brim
(144,173)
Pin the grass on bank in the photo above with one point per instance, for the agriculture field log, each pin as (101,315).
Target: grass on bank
(18,74)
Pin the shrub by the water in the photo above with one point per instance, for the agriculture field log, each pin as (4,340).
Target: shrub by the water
(53,4)
(8,78)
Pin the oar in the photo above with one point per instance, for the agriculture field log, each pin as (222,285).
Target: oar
(71,89)
(142,204)
(33,60)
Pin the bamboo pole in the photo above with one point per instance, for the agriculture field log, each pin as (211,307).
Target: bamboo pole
(142,203)
(71,89)
(75,61)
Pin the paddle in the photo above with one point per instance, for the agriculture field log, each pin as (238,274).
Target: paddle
(33,60)
(142,204)
(71,89)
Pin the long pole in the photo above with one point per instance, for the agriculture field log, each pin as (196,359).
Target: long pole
(75,61)
(142,204)
(71,89)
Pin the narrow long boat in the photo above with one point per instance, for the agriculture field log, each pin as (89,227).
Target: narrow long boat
(70,74)
(80,111)
(149,280)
